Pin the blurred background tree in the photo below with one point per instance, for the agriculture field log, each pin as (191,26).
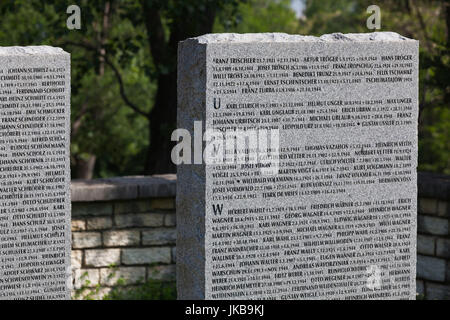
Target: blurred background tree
(124,65)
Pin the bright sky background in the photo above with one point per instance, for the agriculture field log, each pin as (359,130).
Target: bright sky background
(298,6)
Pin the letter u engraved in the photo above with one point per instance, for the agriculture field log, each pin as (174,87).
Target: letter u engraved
(217,103)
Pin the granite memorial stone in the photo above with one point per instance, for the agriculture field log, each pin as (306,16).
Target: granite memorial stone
(337,220)
(34,173)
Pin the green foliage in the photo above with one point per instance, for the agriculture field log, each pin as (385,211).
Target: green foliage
(329,16)
(434,146)
(420,297)
(86,291)
(150,290)
(109,129)
(258,16)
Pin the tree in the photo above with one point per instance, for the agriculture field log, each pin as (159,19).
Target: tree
(258,16)
(113,39)
(166,23)
(169,22)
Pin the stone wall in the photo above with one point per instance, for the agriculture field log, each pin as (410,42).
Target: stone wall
(124,228)
(123,232)
(433,239)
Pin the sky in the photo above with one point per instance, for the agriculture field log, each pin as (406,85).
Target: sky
(298,6)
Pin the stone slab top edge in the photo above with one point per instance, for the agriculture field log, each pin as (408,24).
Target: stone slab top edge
(31,50)
(124,188)
(284,37)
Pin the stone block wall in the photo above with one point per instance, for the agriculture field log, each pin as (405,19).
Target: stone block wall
(125,228)
(123,233)
(433,238)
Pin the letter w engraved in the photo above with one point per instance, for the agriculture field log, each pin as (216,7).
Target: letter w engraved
(217,209)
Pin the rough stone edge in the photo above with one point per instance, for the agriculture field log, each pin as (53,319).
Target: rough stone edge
(124,188)
(191,184)
(31,50)
(283,37)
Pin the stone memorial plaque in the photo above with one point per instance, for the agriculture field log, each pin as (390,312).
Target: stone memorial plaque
(35,203)
(333,216)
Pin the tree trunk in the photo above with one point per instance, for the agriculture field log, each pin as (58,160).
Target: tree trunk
(162,123)
(164,113)
(84,169)
(447,21)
